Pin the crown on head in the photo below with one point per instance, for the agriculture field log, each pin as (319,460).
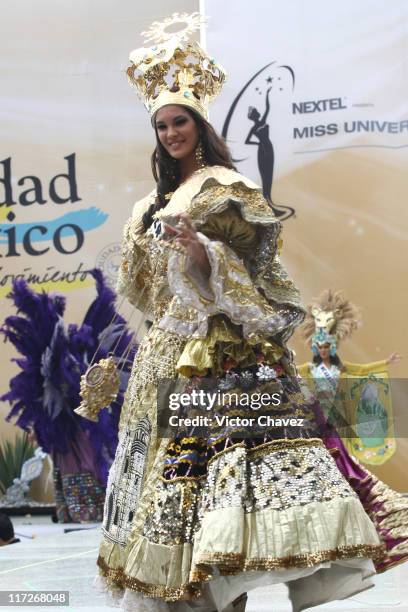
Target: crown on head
(175,70)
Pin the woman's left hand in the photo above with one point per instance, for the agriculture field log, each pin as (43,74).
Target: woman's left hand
(184,233)
(393,358)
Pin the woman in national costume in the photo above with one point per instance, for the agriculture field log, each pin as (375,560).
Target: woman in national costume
(192,523)
(52,356)
(355,398)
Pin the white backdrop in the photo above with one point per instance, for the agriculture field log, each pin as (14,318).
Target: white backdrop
(337,136)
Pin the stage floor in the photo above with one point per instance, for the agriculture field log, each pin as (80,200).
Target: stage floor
(54,560)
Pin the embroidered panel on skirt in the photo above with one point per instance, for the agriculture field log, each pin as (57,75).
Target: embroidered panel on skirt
(155,360)
(125,479)
(296,474)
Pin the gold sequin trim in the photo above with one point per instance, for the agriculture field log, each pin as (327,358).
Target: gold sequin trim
(117,578)
(183,478)
(275,445)
(200,575)
(232,563)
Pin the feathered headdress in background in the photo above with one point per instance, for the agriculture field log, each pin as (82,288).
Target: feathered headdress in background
(330,318)
(45,392)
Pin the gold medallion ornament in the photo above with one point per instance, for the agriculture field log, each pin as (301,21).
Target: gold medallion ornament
(98,388)
(176,70)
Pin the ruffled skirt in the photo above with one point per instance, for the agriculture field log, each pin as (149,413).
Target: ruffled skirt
(193,522)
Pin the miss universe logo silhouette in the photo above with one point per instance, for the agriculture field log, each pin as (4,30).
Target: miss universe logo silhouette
(265,85)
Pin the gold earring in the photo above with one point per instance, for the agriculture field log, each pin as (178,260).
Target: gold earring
(199,155)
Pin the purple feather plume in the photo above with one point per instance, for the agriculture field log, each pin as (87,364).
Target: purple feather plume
(45,392)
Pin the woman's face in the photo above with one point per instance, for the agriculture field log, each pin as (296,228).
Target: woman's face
(177,131)
(324,350)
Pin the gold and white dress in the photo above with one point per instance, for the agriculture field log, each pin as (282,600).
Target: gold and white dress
(191,523)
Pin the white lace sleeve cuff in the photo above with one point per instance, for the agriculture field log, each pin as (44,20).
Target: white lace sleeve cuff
(229,289)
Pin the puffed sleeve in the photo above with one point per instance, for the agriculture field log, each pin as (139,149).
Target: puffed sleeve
(365,369)
(304,370)
(134,273)
(247,282)
(248,299)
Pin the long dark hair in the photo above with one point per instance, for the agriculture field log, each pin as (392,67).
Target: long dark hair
(166,169)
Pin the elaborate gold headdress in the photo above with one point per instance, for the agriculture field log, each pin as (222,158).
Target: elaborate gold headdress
(175,70)
(330,318)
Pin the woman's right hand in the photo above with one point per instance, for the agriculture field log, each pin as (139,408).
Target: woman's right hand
(185,234)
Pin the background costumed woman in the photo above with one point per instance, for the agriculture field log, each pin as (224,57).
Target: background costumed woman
(350,394)
(43,394)
(192,522)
